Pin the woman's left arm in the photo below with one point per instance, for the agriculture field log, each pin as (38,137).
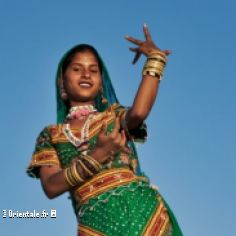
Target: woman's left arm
(148,88)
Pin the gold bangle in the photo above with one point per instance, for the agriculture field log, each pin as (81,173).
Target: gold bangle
(76,174)
(71,175)
(68,177)
(93,162)
(154,69)
(85,168)
(152,73)
(160,53)
(159,72)
(154,64)
(156,60)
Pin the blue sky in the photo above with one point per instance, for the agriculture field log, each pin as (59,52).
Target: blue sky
(190,153)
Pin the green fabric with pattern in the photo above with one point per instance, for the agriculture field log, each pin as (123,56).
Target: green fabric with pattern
(123,211)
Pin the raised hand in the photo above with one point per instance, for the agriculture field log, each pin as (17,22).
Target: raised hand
(146,47)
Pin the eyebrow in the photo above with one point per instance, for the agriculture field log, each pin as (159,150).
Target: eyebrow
(79,64)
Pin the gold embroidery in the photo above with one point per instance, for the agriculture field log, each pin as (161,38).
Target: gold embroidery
(47,156)
(105,181)
(88,231)
(95,127)
(158,223)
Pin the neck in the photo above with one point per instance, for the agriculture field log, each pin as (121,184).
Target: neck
(73,103)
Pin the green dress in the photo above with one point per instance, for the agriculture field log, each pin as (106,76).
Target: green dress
(130,209)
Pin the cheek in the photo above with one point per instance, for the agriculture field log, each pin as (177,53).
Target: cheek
(69,85)
(98,82)
(70,79)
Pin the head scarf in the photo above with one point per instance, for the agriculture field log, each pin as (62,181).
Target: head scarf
(108,90)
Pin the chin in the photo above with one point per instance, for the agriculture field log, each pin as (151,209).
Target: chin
(84,98)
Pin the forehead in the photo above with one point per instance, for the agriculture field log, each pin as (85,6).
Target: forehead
(85,58)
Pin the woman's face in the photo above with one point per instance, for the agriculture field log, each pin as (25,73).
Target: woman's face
(82,78)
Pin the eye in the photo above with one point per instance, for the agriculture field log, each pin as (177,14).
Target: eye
(94,70)
(76,68)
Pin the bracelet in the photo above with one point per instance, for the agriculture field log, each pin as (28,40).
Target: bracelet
(72,175)
(155,64)
(76,173)
(84,167)
(159,53)
(68,179)
(157,57)
(153,74)
(89,165)
(96,165)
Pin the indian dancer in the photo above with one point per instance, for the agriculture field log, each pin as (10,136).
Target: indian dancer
(90,151)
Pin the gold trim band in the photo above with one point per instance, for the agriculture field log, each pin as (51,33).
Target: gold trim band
(105,181)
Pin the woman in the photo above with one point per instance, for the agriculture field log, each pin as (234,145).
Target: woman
(90,152)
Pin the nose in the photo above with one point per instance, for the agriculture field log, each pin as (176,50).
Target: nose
(86,74)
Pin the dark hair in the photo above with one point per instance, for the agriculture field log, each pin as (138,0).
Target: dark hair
(80,48)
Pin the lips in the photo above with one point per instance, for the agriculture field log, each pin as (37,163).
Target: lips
(85,84)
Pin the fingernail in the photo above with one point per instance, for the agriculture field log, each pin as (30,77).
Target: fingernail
(126,36)
(145,25)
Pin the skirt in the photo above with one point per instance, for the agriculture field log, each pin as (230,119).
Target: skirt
(118,203)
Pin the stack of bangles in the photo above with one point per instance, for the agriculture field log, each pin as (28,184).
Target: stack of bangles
(87,164)
(155,64)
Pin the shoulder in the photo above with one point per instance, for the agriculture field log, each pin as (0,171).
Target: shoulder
(116,106)
(119,110)
(50,130)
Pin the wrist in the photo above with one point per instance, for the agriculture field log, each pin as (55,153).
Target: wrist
(98,154)
(155,51)
(155,64)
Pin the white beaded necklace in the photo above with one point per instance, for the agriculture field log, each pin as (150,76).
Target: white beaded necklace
(77,142)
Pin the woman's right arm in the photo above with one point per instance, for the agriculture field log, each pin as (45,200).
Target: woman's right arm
(53,177)
(53,181)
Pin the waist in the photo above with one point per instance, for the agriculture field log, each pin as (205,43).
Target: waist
(105,181)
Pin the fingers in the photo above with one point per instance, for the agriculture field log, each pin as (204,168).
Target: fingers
(103,128)
(136,57)
(134,49)
(167,52)
(116,127)
(133,40)
(120,143)
(147,33)
(123,138)
(126,150)
(118,138)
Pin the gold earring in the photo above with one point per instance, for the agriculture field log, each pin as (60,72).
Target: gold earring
(63,93)
(104,100)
